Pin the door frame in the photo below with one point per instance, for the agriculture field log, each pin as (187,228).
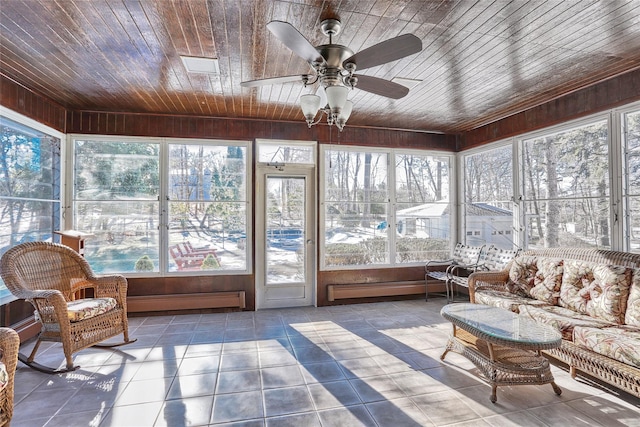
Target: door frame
(308,172)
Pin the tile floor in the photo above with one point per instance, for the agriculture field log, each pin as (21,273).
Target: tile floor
(355,365)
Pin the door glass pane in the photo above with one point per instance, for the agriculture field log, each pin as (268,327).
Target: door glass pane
(286,152)
(285,224)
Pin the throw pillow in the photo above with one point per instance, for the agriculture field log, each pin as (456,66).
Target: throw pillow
(521,275)
(547,281)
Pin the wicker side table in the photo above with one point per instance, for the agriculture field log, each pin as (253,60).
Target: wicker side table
(503,346)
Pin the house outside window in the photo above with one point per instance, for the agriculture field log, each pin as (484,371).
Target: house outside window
(377,215)
(488,197)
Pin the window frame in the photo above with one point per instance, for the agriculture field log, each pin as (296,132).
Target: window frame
(163,195)
(40,127)
(392,203)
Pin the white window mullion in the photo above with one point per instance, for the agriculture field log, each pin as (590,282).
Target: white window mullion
(163,206)
(617,170)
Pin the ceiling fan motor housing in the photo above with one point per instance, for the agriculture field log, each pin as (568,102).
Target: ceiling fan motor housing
(332,73)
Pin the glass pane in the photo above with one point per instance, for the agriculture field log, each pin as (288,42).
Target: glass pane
(487,224)
(203,172)
(286,152)
(422,232)
(285,225)
(632,127)
(573,163)
(422,208)
(488,192)
(356,238)
(208,209)
(207,236)
(421,179)
(29,186)
(568,223)
(356,176)
(114,171)
(488,176)
(30,162)
(125,235)
(633,225)
(632,150)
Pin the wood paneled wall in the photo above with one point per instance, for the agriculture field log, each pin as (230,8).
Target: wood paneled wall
(603,96)
(28,103)
(105,123)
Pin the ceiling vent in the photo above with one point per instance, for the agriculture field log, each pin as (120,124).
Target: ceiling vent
(195,64)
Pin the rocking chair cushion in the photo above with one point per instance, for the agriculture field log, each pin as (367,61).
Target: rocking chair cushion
(82,309)
(87,308)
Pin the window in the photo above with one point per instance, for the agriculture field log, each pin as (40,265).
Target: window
(422,209)
(190,216)
(29,185)
(631,188)
(488,191)
(116,196)
(355,208)
(207,207)
(375,215)
(288,152)
(565,180)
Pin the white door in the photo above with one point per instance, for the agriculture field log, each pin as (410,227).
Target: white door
(285,237)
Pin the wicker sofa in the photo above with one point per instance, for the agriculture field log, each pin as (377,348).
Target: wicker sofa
(591,296)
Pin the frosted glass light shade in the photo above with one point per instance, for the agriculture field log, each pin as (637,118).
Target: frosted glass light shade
(336,96)
(346,111)
(310,104)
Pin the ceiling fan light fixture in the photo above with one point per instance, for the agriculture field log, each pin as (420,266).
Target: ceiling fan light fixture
(344,115)
(336,97)
(310,104)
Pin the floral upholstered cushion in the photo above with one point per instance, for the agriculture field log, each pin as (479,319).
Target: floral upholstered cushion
(547,281)
(522,275)
(504,299)
(563,319)
(620,343)
(4,376)
(89,307)
(599,290)
(632,315)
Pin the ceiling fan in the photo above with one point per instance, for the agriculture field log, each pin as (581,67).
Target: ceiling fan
(334,68)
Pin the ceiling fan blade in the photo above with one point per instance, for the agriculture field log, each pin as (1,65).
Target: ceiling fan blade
(275,80)
(386,51)
(381,87)
(295,41)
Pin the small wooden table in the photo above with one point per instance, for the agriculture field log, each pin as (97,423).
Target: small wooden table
(504,346)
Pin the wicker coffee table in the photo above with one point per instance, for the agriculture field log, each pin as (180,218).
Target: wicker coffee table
(504,346)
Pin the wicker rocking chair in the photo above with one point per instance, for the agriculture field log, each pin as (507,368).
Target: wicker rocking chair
(9,343)
(51,276)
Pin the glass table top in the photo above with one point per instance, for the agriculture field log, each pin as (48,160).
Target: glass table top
(501,324)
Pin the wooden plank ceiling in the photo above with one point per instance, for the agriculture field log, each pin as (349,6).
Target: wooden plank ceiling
(481,60)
